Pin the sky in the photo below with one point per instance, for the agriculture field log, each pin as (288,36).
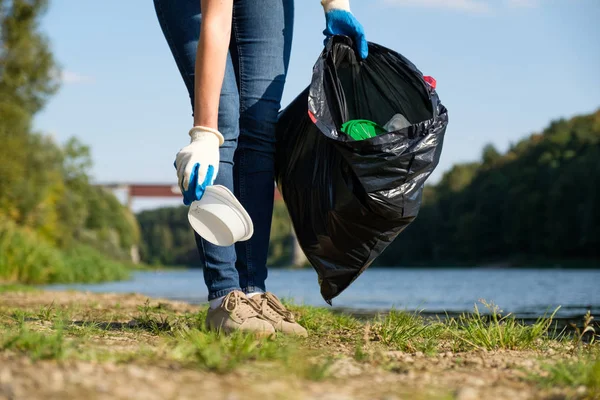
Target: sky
(504,68)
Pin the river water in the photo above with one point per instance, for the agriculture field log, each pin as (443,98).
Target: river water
(527,293)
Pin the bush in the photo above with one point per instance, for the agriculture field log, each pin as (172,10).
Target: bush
(27,258)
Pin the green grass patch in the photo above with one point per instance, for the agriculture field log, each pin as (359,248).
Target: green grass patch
(188,341)
(583,371)
(10,287)
(495,332)
(220,353)
(223,353)
(409,332)
(37,345)
(322,321)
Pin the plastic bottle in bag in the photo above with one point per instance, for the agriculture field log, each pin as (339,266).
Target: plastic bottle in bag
(397,122)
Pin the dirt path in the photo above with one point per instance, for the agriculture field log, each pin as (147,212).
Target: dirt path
(121,362)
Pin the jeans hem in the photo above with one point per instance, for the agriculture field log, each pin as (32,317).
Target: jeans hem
(221,293)
(253,289)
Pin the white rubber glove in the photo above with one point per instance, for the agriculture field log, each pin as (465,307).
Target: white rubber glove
(197,163)
(329,5)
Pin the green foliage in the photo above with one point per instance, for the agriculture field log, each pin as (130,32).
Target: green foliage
(27,67)
(535,203)
(280,246)
(109,227)
(28,258)
(44,187)
(25,257)
(5,288)
(168,239)
(85,264)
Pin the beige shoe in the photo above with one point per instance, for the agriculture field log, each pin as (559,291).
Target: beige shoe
(281,318)
(238,313)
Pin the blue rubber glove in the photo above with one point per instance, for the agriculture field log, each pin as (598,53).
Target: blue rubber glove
(197,163)
(342,22)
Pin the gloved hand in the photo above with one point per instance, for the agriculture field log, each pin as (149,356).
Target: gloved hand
(197,163)
(340,21)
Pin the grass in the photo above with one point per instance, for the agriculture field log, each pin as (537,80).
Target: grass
(37,345)
(378,356)
(186,340)
(220,353)
(16,287)
(583,371)
(157,333)
(496,332)
(26,258)
(409,332)
(574,374)
(321,321)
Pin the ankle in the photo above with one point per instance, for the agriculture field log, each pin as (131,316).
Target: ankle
(215,303)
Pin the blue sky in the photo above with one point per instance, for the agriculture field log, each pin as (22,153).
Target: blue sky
(505,68)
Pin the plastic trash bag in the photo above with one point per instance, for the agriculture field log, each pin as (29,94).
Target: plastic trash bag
(348,200)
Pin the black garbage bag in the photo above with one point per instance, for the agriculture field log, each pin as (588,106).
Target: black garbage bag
(348,200)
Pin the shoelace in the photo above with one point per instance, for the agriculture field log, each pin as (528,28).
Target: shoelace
(272,300)
(237,299)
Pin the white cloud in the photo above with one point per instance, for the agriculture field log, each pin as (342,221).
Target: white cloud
(70,77)
(474,6)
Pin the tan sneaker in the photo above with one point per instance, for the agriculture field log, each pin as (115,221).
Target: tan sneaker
(237,313)
(281,318)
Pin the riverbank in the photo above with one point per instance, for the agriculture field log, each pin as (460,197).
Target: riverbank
(73,345)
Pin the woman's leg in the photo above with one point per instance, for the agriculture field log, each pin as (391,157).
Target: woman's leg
(180,22)
(260,52)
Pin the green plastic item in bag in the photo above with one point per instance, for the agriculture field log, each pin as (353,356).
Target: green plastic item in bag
(361,129)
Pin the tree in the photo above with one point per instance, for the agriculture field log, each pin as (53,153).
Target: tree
(539,201)
(490,155)
(28,71)
(27,79)
(45,186)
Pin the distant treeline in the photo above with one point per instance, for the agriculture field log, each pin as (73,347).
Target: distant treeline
(54,225)
(168,239)
(537,203)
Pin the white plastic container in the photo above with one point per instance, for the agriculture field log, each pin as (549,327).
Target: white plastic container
(219,218)
(397,123)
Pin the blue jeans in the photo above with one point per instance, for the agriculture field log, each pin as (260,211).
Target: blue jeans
(257,65)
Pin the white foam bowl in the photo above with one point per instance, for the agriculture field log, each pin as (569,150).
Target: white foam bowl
(220,218)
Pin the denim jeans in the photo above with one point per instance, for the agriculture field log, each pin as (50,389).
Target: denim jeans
(257,65)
